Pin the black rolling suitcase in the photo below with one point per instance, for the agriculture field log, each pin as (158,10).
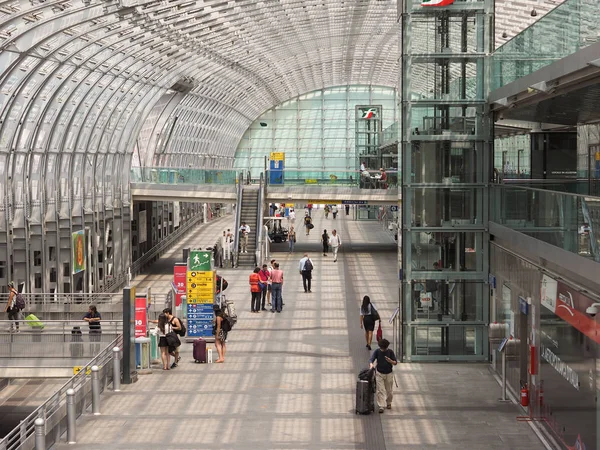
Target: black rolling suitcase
(365,392)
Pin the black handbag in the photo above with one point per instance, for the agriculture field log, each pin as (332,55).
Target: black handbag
(375,314)
(172,340)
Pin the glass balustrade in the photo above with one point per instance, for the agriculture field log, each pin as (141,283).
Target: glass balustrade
(333,177)
(168,175)
(563,31)
(568,221)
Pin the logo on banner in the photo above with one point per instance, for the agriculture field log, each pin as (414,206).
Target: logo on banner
(567,300)
(438,3)
(368,113)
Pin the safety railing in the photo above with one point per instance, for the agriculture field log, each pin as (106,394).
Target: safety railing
(333,178)
(55,338)
(260,234)
(238,220)
(54,412)
(557,218)
(581,186)
(564,30)
(63,299)
(168,175)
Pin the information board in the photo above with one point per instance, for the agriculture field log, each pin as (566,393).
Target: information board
(201,288)
(179,280)
(141,316)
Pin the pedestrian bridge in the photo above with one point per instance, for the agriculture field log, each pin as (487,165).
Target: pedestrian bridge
(287,186)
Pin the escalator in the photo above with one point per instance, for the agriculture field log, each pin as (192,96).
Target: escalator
(249,214)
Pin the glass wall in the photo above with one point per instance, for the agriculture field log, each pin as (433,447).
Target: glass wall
(315,131)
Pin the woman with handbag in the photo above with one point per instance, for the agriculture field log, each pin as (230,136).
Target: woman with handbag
(368,317)
(291,238)
(162,330)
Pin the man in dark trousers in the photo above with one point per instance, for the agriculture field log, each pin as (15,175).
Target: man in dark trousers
(386,360)
(306,267)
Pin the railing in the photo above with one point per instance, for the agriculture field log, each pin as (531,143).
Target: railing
(564,30)
(553,217)
(260,235)
(58,339)
(53,410)
(167,175)
(238,220)
(332,177)
(581,186)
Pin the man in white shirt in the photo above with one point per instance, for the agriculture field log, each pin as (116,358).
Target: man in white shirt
(244,232)
(335,243)
(306,272)
(363,167)
(292,217)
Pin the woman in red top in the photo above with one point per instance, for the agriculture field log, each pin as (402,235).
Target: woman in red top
(264,277)
(255,290)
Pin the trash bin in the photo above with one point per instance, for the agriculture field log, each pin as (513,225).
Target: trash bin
(142,355)
(154,351)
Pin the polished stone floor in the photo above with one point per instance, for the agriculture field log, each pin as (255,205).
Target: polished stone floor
(288,381)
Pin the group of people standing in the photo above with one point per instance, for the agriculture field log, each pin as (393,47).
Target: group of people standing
(266,288)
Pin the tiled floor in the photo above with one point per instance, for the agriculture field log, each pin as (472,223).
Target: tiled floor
(288,380)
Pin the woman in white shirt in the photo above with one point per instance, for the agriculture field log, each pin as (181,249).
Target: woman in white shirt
(162,329)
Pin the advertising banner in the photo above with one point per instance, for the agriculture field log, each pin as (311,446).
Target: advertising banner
(141,316)
(548,292)
(78,246)
(179,280)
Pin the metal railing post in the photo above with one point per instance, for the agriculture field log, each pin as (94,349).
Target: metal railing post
(40,434)
(116,369)
(95,391)
(71,417)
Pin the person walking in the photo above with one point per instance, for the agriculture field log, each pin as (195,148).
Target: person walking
(326,210)
(177,326)
(264,277)
(244,232)
(305,267)
(292,217)
(384,377)
(277,283)
(309,207)
(347,210)
(334,211)
(308,223)
(12,310)
(255,290)
(368,317)
(335,243)
(325,241)
(291,238)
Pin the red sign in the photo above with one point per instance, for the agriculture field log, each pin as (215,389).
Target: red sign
(179,279)
(141,317)
(571,306)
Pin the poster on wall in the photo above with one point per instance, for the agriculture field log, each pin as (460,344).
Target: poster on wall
(78,246)
(568,349)
(176,214)
(507,313)
(143,227)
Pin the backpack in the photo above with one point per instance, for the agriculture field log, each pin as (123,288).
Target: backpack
(19,301)
(221,284)
(229,315)
(308,265)
(183,329)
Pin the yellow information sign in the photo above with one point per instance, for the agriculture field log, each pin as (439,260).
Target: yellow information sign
(310,181)
(77,369)
(277,156)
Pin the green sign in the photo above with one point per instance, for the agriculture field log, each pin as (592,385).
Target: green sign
(200,261)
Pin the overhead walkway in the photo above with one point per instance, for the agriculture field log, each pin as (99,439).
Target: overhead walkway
(286,186)
(288,381)
(550,72)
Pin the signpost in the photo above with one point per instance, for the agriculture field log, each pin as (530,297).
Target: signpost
(200,291)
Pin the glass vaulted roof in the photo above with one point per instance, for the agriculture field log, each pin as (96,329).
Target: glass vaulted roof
(83,76)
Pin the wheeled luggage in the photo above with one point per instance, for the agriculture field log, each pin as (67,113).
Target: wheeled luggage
(199,350)
(365,392)
(34,322)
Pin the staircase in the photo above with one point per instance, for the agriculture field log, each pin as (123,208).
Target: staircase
(249,215)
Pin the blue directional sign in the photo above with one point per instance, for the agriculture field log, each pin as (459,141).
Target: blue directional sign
(200,319)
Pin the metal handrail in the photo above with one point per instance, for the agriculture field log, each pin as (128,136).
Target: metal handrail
(238,218)
(258,253)
(53,410)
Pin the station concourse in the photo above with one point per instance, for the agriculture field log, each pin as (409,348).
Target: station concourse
(288,379)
